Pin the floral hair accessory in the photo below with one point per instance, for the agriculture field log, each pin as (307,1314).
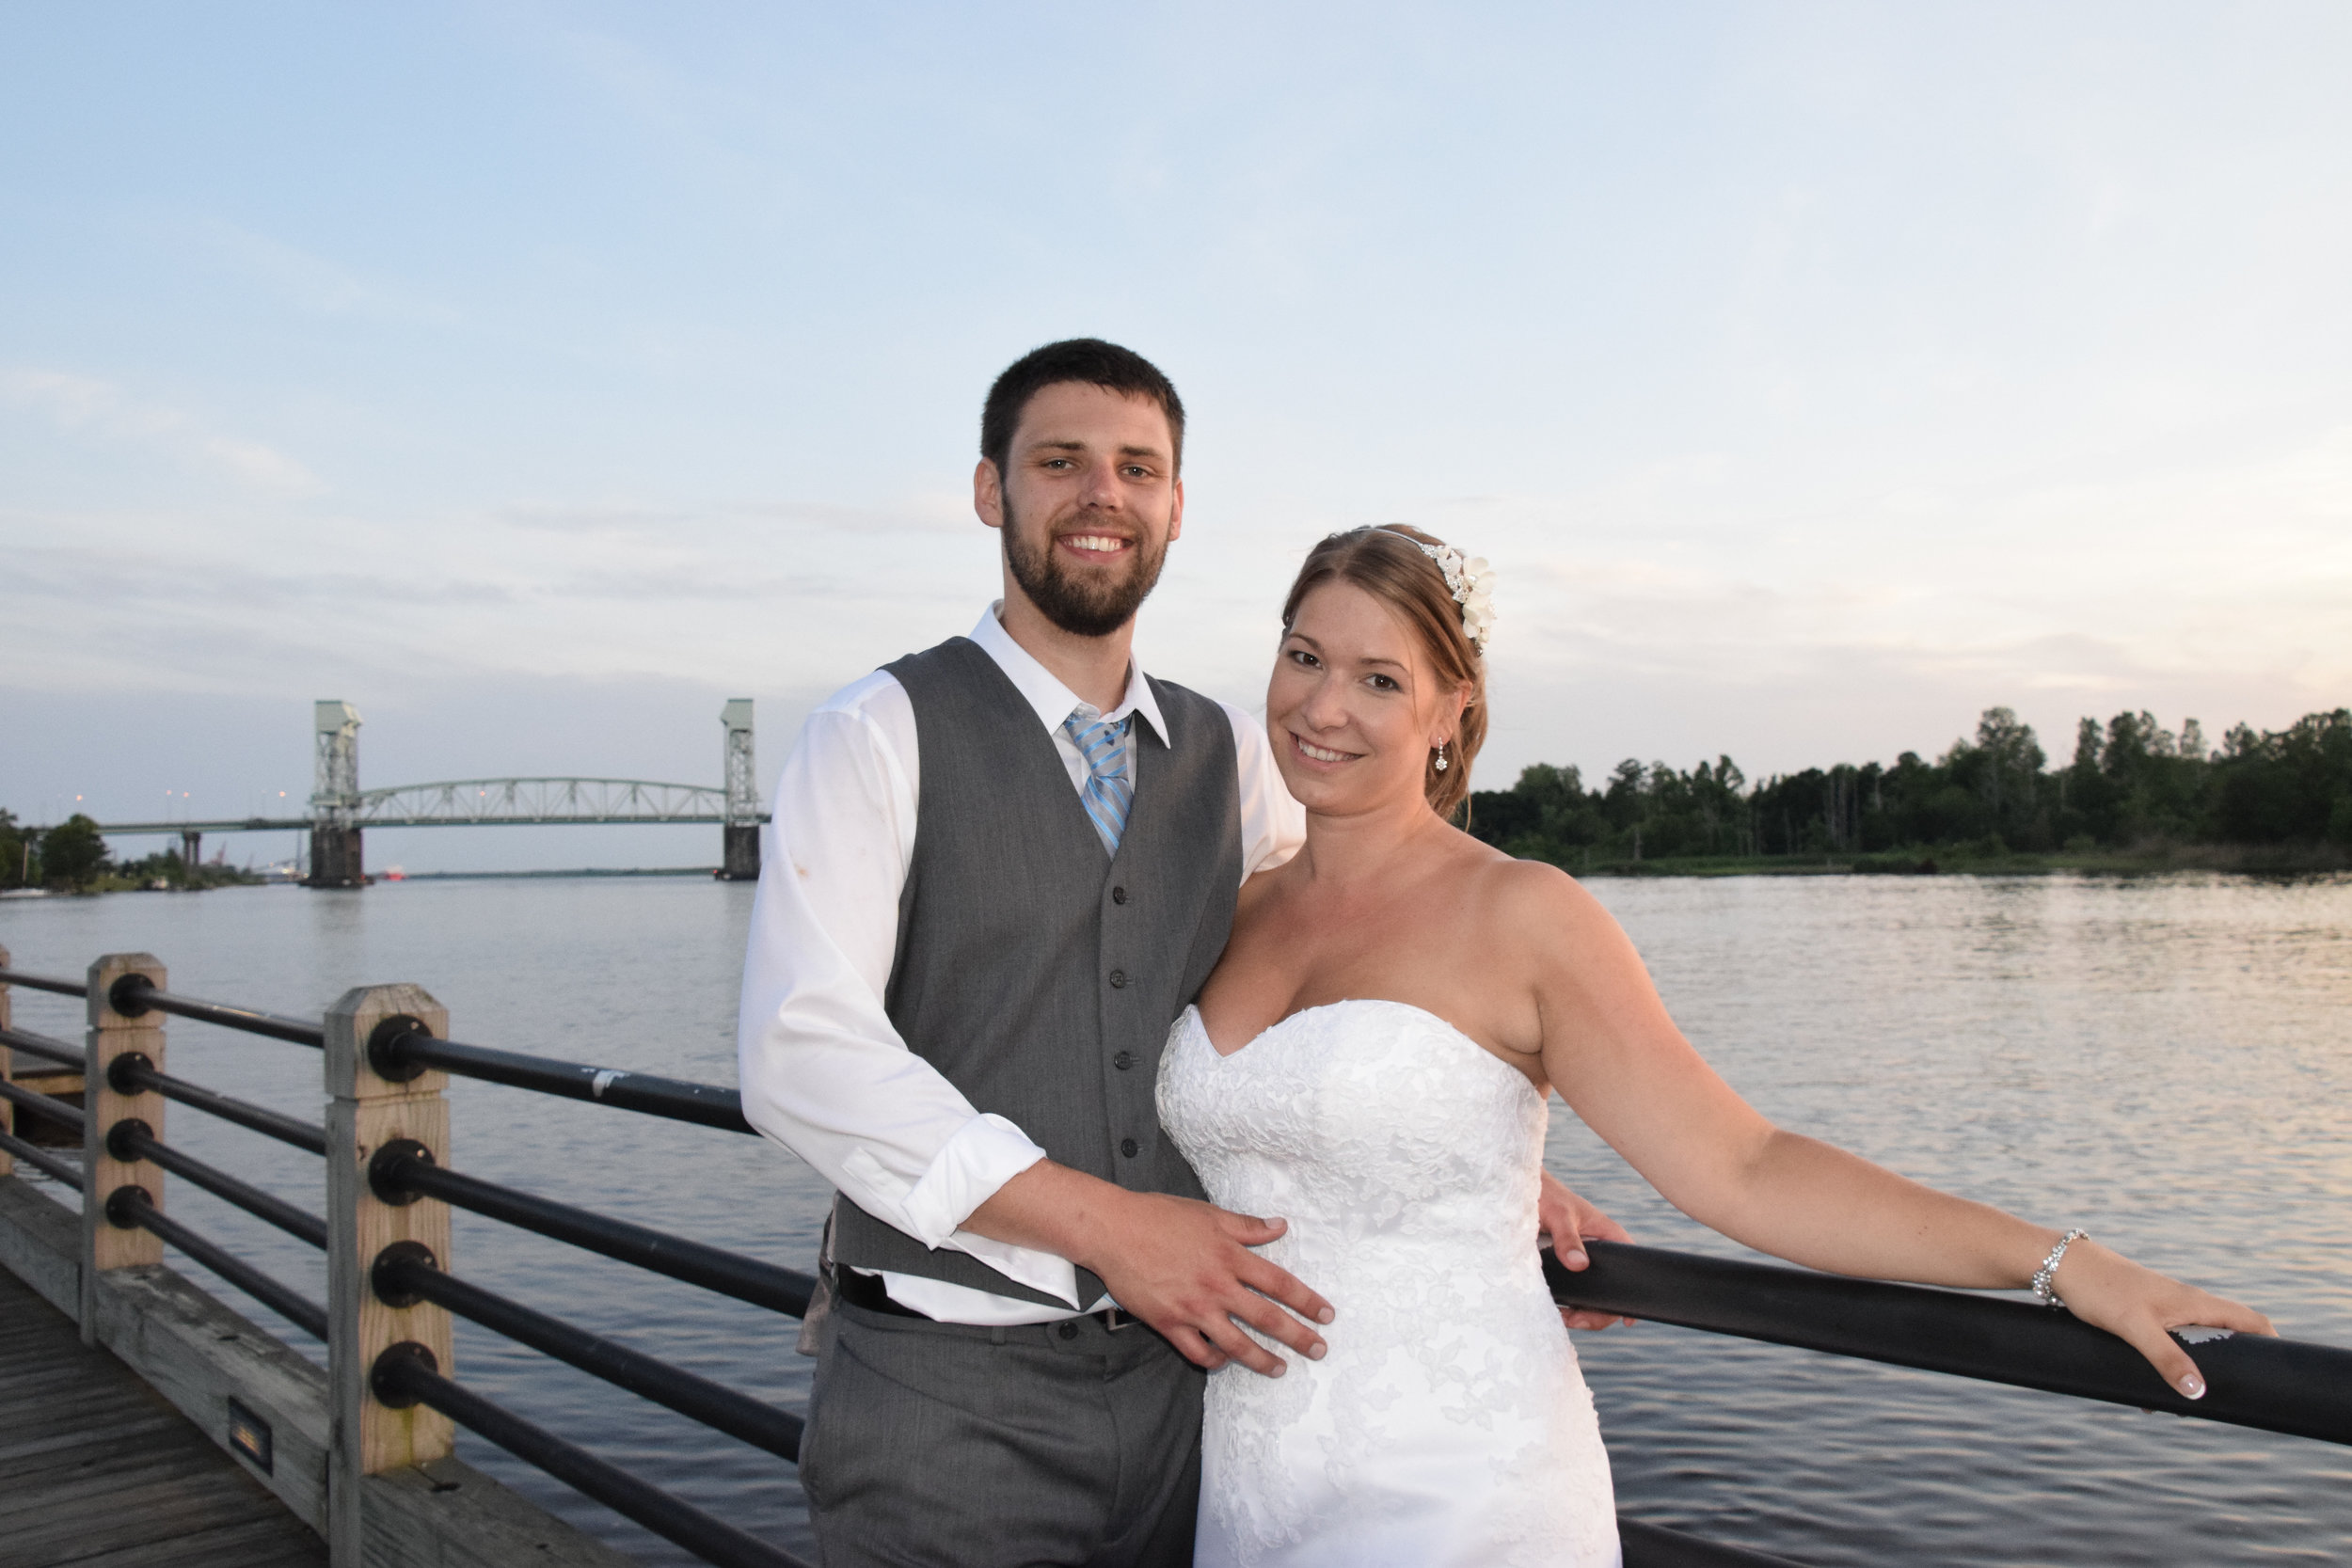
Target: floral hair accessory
(1471,581)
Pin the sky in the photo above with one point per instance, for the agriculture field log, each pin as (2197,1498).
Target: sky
(537,378)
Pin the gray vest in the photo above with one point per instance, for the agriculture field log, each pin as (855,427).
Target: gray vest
(1039,975)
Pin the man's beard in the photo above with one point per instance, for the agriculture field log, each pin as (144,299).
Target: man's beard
(1083,607)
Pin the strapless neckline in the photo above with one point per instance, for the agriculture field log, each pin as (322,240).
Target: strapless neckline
(1199,1027)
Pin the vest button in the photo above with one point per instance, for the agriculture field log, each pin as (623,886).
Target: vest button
(1119,979)
(1124,1060)
(1129,1148)
(1069,1331)
(1118,895)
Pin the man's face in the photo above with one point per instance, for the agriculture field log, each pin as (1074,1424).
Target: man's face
(1088,502)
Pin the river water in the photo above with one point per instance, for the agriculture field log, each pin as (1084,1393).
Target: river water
(2165,1061)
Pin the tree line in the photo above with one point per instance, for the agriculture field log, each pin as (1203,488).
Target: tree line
(73,857)
(2132,787)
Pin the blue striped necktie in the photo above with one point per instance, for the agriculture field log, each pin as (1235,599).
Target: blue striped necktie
(1108,791)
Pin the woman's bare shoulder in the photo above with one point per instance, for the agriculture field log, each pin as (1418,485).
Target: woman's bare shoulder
(1514,892)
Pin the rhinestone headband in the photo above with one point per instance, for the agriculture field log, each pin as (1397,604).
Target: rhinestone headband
(1471,581)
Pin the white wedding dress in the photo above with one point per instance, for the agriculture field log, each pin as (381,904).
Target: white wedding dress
(1448,1422)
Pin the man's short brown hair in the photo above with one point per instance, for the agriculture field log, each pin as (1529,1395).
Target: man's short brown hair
(1087,359)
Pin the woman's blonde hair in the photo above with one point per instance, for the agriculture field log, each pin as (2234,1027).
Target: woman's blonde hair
(1388,564)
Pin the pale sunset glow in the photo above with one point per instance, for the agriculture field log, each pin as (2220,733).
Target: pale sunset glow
(536,378)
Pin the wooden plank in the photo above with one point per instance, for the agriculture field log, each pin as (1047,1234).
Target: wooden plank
(57,1084)
(262,1543)
(163,1476)
(445,1515)
(200,1355)
(75,1458)
(34,1442)
(99,1469)
(40,1243)
(448,1514)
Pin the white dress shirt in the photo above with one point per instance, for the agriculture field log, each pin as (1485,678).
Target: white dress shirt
(824,1072)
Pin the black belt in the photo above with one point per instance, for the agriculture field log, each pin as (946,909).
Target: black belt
(866,1290)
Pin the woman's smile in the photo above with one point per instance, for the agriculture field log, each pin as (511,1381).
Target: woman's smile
(1314,752)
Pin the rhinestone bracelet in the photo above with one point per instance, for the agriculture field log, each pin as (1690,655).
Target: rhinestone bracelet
(2048,1271)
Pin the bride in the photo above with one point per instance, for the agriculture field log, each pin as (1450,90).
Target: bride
(1372,1060)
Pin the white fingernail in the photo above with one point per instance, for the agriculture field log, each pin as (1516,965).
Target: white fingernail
(2193,1385)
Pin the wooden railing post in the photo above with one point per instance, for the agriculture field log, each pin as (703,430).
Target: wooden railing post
(112,1035)
(8,1111)
(366,1112)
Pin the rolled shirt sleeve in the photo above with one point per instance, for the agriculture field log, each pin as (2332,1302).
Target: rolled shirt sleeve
(824,1071)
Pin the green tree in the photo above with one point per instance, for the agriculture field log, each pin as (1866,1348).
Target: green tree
(16,849)
(72,853)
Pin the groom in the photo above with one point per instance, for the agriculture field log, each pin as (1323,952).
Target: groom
(998,869)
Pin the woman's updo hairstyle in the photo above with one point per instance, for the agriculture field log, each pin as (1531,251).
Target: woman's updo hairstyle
(1388,564)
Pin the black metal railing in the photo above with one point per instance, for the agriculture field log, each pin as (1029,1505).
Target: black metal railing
(132,1141)
(406,1375)
(402,1277)
(130,1207)
(43,982)
(48,1107)
(63,1052)
(42,1160)
(2253,1380)
(134,995)
(400,1052)
(131,1071)
(401,1172)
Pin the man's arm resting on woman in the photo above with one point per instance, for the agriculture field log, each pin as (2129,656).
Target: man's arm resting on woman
(824,1071)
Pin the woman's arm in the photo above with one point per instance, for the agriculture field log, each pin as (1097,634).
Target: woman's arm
(1617,1057)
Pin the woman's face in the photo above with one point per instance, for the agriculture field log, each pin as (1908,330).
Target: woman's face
(1355,705)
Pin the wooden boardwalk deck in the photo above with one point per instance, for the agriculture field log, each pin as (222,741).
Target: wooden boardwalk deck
(97,1470)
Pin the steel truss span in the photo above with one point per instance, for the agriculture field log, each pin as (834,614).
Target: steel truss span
(462,801)
(482,803)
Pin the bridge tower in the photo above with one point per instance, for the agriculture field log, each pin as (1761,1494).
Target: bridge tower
(740,862)
(335,858)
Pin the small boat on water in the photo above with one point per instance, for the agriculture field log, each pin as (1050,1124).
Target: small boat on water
(26,893)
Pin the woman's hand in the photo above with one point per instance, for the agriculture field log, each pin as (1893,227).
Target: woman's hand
(1565,1219)
(2137,1304)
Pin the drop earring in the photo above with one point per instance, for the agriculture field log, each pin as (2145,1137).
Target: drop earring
(1440,756)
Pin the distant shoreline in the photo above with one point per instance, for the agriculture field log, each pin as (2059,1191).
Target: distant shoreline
(2246,861)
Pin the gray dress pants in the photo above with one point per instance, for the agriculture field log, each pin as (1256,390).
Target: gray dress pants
(1045,1445)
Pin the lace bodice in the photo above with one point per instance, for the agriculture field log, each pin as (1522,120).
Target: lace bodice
(1448,1423)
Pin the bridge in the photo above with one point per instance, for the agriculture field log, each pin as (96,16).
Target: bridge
(339,809)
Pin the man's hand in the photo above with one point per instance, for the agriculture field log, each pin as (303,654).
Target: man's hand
(1180,1265)
(1566,1221)
(1185,1268)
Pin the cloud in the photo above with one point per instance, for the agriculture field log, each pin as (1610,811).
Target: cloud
(87,405)
(311,281)
(930,513)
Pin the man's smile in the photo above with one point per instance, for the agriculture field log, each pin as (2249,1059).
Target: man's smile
(1093,546)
